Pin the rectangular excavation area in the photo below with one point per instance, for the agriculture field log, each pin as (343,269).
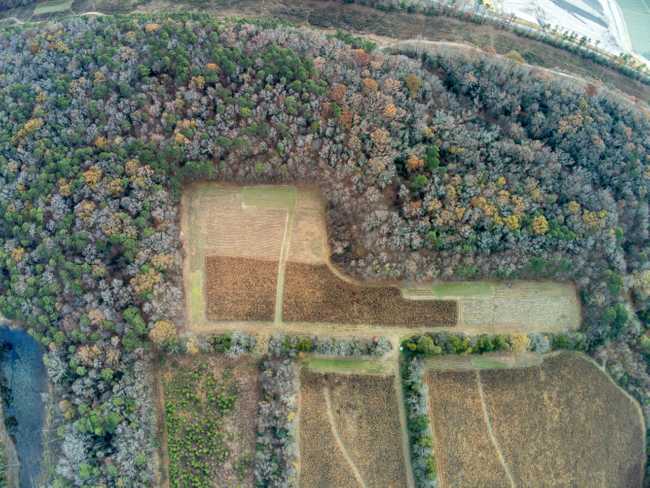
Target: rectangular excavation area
(313,293)
(240,288)
(210,410)
(350,433)
(564,423)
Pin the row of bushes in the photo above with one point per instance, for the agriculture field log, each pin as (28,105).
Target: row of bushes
(231,344)
(277,449)
(290,346)
(441,343)
(572,45)
(418,423)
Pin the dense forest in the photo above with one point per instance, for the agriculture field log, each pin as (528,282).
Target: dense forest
(435,167)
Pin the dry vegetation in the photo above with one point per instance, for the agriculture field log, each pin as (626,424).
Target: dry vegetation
(312,293)
(210,411)
(366,418)
(240,288)
(561,424)
(579,428)
(464,453)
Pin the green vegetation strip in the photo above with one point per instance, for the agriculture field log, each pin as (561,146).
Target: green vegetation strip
(269,196)
(52,7)
(349,366)
(463,289)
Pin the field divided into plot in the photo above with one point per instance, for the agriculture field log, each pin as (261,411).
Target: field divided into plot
(350,433)
(210,409)
(564,423)
(520,305)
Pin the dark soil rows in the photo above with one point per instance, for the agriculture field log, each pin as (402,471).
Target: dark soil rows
(312,293)
(240,288)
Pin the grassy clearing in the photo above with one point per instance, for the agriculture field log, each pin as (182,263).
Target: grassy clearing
(483,361)
(346,366)
(463,289)
(210,409)
(364,438)
(52,7)
(269,196)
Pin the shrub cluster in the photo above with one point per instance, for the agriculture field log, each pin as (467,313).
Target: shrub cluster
(276,455)
(231,344)
(281,345)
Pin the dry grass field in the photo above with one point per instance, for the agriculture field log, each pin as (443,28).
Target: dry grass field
(350,434)
(465,456)
(210,409)
(561,424)
(312,293)
(572,410)
(240,288)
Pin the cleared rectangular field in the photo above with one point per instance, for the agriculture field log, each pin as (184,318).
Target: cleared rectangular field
(520,305)
(210,407)
(563,423)
(312,293)
(350,432)
(240,288)
(349,366)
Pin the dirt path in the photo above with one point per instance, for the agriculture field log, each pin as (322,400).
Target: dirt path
(488,424)
(163,472)
(339,442)
(282,265)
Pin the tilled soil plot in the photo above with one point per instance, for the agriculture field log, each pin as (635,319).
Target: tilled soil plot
(362,415)
(465,455)
(240,288)
(565,424)
(312,293)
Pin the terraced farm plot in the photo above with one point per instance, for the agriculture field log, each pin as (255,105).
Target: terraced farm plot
(350,432)
(564,423)
(240,288)
(520,305)
(210,406)
(313,293)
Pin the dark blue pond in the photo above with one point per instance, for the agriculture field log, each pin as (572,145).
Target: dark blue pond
(25,381)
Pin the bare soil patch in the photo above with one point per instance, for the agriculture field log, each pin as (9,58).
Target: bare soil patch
(565,424)
(465,455)
(366,420)
(312,293)
(240,288)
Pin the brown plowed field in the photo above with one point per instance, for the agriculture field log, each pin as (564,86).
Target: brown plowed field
(565,424)
(312,293)
(366,420)
(465,456)
(240,288)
